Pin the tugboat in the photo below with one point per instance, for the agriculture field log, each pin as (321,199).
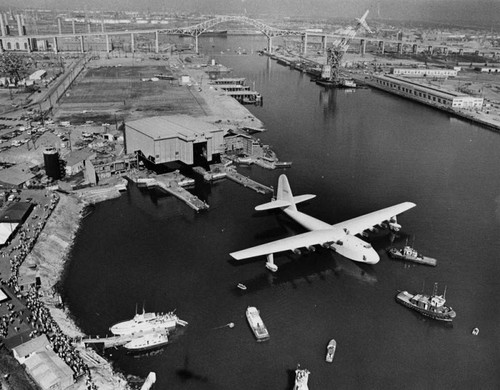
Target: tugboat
(428,305)
(256,324)
(301,378)
(330,350)
(410,254)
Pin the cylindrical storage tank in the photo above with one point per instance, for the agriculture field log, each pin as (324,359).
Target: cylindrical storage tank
(51,161)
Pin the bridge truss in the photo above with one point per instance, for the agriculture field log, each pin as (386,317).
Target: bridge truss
(198,29)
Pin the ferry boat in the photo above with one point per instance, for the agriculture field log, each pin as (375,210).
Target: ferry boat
(147,322)
(330,350)
(256,324)
(147,342)
(301,378)
(428,305)
(410,254)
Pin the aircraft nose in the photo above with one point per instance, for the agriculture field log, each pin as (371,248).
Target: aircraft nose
(371,257)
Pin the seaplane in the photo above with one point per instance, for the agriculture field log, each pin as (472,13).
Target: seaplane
(340,237)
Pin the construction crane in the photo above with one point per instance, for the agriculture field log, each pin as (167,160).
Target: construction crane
(330,73)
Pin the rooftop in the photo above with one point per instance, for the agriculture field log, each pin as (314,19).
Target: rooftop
(34,345)
(444,92)
(161,127)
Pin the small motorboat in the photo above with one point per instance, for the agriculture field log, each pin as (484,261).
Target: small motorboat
(241,286)
(475,331)
(330,350)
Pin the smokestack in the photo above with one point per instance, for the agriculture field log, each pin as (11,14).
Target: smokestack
(7,28)
(23,24)
(2,26)
(19,25)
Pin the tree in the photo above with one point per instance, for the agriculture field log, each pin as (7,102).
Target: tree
(13,66)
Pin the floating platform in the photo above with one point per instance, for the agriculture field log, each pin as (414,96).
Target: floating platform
(247,182)
(174,186)
(210,175)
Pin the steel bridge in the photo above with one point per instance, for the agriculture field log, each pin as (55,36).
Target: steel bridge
(198,29)
(26,42)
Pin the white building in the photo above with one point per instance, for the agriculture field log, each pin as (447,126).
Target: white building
(426,93)
(488,69)
(38,75)
(424,72)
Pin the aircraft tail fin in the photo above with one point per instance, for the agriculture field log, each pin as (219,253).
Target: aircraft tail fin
(284,197)
(285,192)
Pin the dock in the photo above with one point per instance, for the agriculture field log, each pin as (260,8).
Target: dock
(247,182)
(174,183)
(245,96)
(212,175)
(173,188)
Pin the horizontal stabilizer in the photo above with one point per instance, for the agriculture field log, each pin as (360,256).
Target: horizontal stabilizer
(275,204)
(302,198)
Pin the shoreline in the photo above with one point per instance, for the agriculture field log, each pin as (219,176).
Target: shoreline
(51,256)
(51,251)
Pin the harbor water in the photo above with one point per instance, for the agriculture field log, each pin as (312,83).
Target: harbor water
(358,152)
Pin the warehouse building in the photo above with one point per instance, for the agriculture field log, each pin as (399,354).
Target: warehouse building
(424,72)
(176,138)
(426,93)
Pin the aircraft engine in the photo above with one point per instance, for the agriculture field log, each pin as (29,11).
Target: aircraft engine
(297,251)
(394,225)
(327,244)
(311,248)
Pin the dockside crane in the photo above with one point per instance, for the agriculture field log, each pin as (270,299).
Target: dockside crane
(331,71)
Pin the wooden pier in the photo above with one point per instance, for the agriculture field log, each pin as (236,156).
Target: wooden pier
(179,192)
(247,182)
(173,184)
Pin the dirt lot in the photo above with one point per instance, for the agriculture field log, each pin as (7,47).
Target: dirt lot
(115,87)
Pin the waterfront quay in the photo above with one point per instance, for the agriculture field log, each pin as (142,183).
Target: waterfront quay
(366,69)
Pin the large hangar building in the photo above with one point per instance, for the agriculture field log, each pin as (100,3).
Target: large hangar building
(174,138)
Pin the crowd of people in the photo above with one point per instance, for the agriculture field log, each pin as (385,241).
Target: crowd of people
(43,322)
(38,315)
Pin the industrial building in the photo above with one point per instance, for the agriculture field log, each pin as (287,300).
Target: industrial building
(424,72)
(11,218)
(99,168)
(177,138)
(426,93)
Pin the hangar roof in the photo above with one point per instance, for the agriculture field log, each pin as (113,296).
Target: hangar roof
(160,127)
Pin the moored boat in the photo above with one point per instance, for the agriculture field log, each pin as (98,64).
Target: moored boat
(147,342)
(330,350)
(282,164)
(428,305)
(146,322)
(301,379)
(256,324)
(410,254)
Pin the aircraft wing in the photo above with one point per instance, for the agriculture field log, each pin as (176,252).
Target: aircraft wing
(314,237)
(359,224)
